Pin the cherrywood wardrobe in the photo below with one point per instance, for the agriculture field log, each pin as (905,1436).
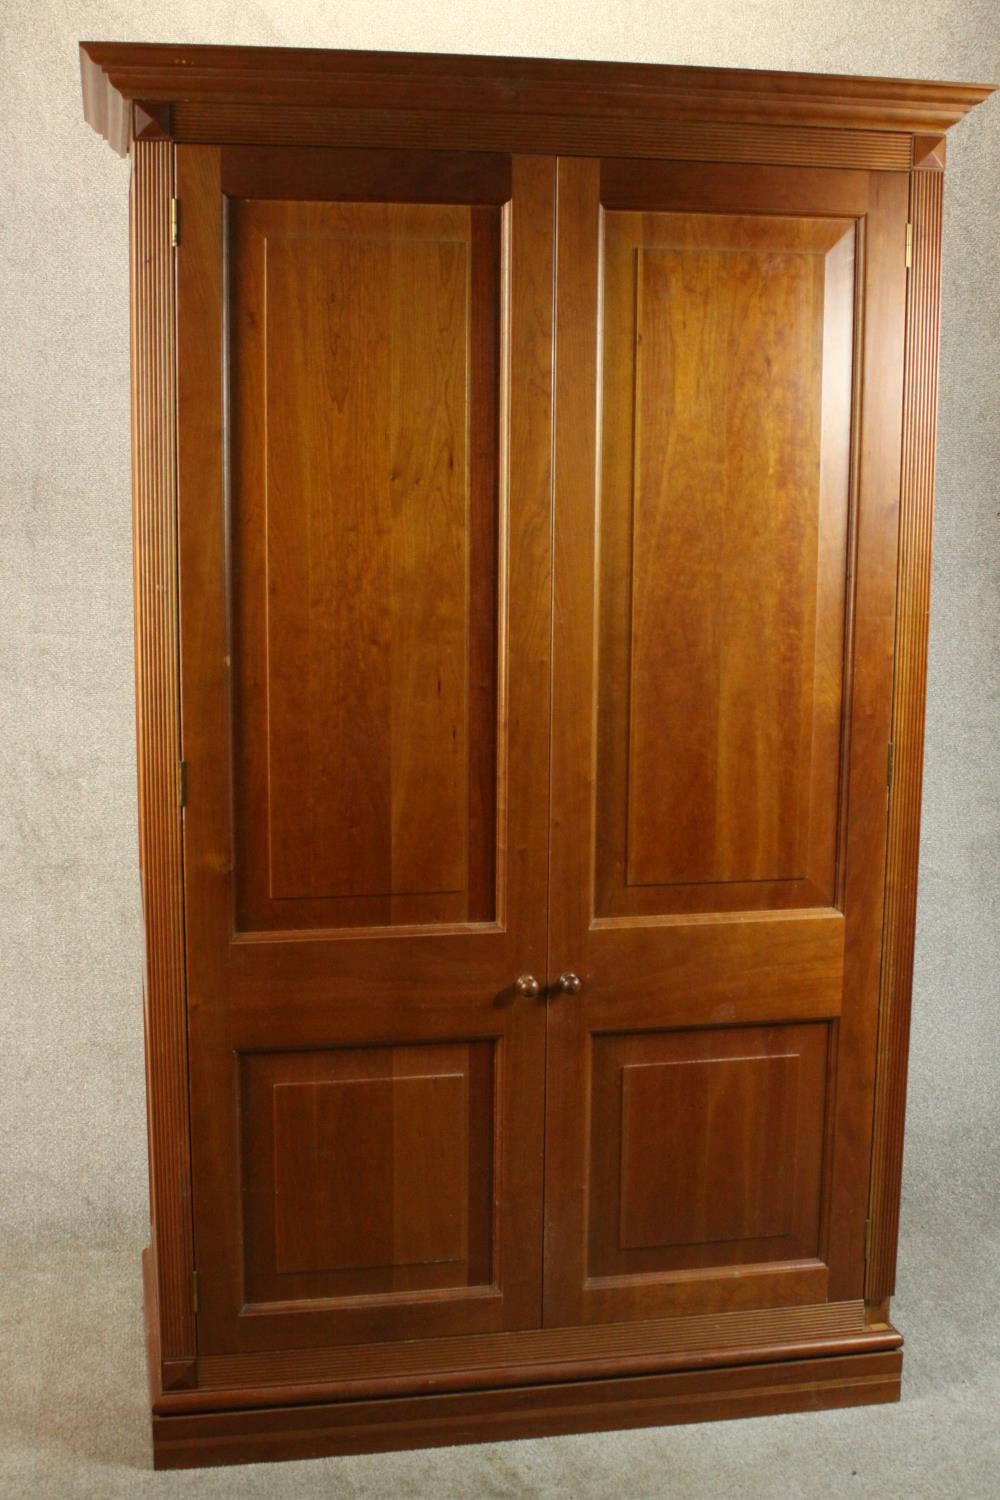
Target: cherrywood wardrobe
(533,466)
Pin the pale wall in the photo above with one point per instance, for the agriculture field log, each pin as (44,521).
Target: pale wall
(71,1094)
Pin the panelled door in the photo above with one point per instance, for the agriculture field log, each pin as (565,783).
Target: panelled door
(381,356)
(728,357)
(364,425)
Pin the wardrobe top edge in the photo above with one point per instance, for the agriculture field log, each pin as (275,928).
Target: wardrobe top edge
(117,75)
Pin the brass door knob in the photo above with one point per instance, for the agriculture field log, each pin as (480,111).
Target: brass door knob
(570,983)
(527,985)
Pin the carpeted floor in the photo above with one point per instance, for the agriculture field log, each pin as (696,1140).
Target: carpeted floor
(74,1422)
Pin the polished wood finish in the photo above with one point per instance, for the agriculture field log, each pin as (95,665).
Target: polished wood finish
(746,323)
(651,137)
(115,74)
(340,996)
(350,175)
(533,476)
(929,152)
(912,619)
(183,1442)
(529,1355)
(154,521)
(665,596)
(661,1104)
(365,780)
(367,1170)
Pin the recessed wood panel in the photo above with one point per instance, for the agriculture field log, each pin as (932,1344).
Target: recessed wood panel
(725,488)
(707,1148)
(367,1170)
(712,746)
(364,521)
(684,1103)
(352,1163)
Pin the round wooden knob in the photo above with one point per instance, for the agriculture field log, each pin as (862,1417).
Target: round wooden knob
(570,983)
(527,985)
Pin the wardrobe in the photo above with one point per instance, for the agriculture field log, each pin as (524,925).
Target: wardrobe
(533,466)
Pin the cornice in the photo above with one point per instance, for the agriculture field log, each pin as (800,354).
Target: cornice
(156,77)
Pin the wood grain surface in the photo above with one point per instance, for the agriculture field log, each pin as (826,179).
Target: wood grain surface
(667,611)
(909,697)
(158,748)
(527,89)
(364,485)
(366,477)
(533,467)
(491,1416)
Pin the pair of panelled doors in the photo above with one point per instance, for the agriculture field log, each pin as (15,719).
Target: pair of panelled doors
(537,555)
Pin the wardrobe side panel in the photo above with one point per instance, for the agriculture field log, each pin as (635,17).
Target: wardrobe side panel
(158,743)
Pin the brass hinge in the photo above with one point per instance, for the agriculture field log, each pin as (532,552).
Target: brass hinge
(868,1240)
(175,222)
(909,246)
(194,1291)
(890,764)
(182,783)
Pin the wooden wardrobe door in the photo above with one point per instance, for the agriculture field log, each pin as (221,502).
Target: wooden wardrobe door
(364,405)
(728,355)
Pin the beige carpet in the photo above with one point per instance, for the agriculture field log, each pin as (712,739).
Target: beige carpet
(74,1420)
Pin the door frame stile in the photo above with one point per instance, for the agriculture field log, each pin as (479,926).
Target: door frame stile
(203,638)
(169,1260)
(916,503)
(869,707)
(574,557)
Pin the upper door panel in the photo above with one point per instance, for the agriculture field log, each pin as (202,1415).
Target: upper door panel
(364,407)
(725,470)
